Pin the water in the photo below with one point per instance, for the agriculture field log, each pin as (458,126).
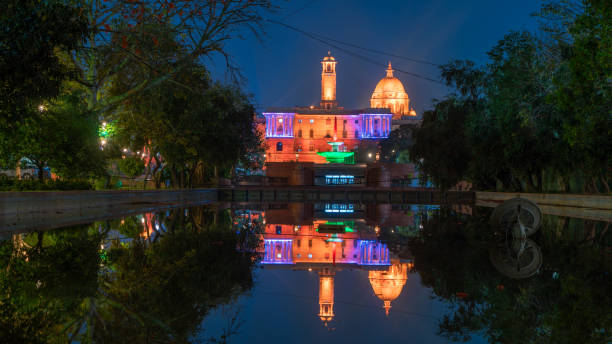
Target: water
(304,273)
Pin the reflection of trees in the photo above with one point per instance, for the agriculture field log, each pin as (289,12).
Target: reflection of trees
(44,280)
(566,301)
(153,289)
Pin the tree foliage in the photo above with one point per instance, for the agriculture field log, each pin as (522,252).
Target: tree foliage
(536,117)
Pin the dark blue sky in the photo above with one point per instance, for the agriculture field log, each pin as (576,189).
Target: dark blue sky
(284,68)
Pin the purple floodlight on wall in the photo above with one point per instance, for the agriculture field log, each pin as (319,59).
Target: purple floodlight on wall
(375,126)
(373,253)
(278,251)
(279,124)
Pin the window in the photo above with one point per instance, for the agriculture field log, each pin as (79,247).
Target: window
(279,229)
(328,121)
(311,133)
(279,146)
(375,121)
(344,122)
(339,208)
(298,148)
(344,133)
(311,148)
(300,133)
(356,121)
(280,120)
(311,121)
(299,121)
(299,242)
(356,134)
(310,244)
(326,255)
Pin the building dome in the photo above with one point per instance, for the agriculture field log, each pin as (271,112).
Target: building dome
(388,285)
(389,93)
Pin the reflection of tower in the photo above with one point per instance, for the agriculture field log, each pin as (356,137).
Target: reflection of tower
(326,295)
(328,82)
(388,285)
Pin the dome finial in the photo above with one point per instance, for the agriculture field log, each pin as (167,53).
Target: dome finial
(387,306)
(389,71)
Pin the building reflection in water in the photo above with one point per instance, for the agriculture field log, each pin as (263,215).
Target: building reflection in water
(327,238)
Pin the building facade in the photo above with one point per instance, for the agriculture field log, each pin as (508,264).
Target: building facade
(300,133)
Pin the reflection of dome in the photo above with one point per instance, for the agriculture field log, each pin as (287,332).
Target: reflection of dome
(388,285)
(390,94)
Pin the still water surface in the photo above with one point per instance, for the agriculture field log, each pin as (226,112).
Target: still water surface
(304,273)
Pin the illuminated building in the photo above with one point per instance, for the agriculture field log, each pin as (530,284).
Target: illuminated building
(315,145)
(388,285)
(390,94)
(299,133)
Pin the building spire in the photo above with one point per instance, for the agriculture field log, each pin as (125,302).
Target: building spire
(387,306)
(389,71)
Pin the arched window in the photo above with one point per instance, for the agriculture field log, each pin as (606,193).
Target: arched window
(328,121)
(311,133)
(279,146)
(300,133)
(356,133)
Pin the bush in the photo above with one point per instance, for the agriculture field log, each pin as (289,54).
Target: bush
(49,185)
(106,184)
(132,166)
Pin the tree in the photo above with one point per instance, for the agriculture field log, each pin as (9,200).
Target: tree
(397,144)
(32,73)
(62,136)
(132,166)
(536,117)
(127,33)
(441,148)
(189,125)
(579,32)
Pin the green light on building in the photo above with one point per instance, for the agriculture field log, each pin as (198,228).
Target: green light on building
(335,156)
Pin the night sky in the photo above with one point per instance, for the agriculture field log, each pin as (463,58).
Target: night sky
(283,69)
